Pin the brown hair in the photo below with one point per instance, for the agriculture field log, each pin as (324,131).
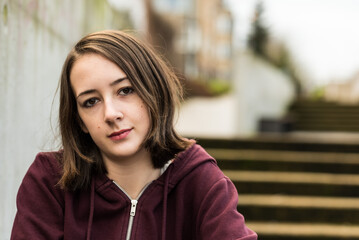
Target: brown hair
(152,79)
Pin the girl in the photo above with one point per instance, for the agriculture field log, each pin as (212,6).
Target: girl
(123,172)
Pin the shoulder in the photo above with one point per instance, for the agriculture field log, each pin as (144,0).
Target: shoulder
(40,201)
(49,159)
(46,169)
(48,162)
(196,167)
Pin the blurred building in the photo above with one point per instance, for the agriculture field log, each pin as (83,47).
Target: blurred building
(343,92)
(216,24)
(202,36)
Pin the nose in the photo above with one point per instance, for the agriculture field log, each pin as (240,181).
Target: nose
(112,111)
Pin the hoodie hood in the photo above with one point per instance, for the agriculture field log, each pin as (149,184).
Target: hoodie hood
(186,161)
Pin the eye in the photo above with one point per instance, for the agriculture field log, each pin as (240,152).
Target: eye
(125,91)
(90,102)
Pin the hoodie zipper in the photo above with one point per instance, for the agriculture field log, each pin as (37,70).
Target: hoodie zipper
(132,210)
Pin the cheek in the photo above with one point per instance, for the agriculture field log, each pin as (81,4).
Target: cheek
(143,115)
(144,112)
(89,125)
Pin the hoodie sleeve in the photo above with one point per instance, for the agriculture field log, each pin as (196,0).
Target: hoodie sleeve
(39,206)
(218,215)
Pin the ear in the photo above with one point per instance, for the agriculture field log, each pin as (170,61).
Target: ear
(82,125)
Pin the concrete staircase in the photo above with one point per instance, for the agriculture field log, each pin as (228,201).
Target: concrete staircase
(293,189)
(324,116)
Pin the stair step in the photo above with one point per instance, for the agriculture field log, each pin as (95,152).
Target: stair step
(329,119)
(309,142)
(308,230)
(337,123)
(294,177)
(284,156)
(334,111)
(251,187)
(266,160)
(319,126)
(298,201)
(295,183)
(262,165)
(322,104)
(332,116)
(270,208)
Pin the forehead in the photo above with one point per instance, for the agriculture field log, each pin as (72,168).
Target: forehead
(91,70)
(93,63)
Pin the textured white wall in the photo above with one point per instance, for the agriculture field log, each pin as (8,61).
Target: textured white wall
(35,36)
(262,92)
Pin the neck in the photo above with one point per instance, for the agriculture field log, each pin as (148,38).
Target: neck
(132,175)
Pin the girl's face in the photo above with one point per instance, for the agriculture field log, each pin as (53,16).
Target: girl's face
(111,111)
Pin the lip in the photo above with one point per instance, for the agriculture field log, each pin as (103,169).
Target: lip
(120,134)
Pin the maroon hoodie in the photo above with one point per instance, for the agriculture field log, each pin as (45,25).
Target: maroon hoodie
(192,199)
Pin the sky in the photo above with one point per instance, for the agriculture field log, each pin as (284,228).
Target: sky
(321,34)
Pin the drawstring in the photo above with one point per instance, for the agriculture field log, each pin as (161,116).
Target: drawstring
(92,206)
(164,210)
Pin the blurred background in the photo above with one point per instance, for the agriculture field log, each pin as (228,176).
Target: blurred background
(272,91)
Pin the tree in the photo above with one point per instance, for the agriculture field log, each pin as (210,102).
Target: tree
(259,35)
(274,51)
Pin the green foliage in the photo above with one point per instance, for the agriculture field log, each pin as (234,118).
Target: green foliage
(219,86)
(318,93)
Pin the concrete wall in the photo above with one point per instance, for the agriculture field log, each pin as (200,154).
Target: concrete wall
(262,92)
(35,37)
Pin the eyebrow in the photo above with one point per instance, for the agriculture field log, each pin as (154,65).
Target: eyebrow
(93,90)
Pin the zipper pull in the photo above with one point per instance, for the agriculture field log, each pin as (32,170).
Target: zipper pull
(133,207)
